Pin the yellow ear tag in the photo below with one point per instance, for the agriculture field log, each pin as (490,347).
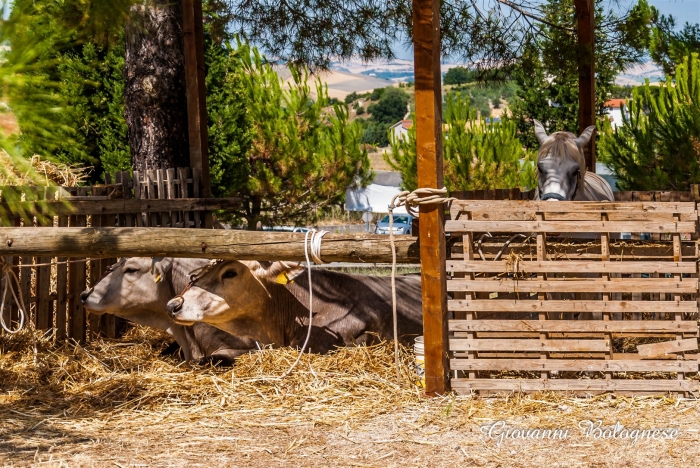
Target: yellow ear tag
(283,278)
(158,278)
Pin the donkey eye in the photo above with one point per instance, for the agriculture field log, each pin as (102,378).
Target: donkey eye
(229,274)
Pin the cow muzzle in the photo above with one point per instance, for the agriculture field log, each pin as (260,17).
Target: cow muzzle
(174,306)
(85,294)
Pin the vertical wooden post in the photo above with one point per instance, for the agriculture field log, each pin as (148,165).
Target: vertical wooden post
(193,30)
(426,45)
(585,18)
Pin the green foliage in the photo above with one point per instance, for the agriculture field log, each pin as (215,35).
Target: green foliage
(302,158)
(658,147)
(458,76)
(548,71)
(476,155)
(620,92)
(375,133)
(360,110)
(668,46)
(391,107)
(377,94)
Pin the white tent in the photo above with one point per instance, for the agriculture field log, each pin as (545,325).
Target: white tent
(374,198)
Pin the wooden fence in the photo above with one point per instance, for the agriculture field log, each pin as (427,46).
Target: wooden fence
(163,198)
(638,300)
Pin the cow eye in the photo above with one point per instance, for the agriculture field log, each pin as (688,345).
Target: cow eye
(229,274)
(128,271)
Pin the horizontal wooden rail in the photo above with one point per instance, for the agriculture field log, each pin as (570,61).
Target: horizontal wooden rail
(561,207)
(85,206)
(595,286)
(564,266)
(486,305)
(667,347)
(579,365)
(581,385)
(570,226)
(485,214)
(200,243)
(569,326)
(514,344)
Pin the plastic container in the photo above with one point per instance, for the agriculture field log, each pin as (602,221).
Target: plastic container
(419,351)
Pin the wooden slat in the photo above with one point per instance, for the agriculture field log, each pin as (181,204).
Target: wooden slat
(593,385)
(184,193)
(76,285)
(569,266)
(457,344)
(622,285)
(43,314)
(668,347)
(571,306)
(578,365)
(570,326)
(570,226)
(578,207)
(493,215)
(61,290)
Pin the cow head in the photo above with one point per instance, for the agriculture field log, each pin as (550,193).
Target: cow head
(226,291)
(132,285)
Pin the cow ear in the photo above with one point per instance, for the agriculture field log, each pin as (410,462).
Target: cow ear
(585,137)
(540,132)
(160,268)
(284,272)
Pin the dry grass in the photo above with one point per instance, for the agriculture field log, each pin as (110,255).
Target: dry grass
(51,173)
(117,403)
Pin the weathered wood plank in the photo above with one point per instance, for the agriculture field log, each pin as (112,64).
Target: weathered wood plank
(577,206)
(572,266)
(621,285)
(477,344)
(569,326)
(578,365)
(529,215)
(594,385)
(202,243)
(668,347)
(571,306)
(570,226)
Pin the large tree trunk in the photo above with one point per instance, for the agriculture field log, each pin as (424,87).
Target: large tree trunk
(154,89)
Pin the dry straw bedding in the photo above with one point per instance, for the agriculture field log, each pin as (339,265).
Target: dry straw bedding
(118,403)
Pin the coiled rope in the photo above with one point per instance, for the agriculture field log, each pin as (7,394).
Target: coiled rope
(411,200)
(312,243)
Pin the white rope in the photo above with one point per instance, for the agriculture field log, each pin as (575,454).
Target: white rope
(421,196)
(312,241)
(8,275)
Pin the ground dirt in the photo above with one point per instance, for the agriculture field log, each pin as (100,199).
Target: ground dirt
(118,404)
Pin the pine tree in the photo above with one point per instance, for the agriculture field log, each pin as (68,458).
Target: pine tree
(302,157)
(658,145)
(477,155)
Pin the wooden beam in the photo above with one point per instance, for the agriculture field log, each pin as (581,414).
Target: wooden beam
(426,46)
(200,243)
(118,206)
(585,26)
(193,31)
(590,385)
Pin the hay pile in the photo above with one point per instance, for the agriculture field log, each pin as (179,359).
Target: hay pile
(47,172)
(130,374)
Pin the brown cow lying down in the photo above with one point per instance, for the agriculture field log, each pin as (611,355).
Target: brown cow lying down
(257,301)
(138,289)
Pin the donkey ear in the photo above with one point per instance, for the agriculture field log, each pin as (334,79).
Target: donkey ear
(585,137)
(540,132)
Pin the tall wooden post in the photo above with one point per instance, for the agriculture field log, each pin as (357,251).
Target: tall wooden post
(193,31)
(585,17)
(426,46)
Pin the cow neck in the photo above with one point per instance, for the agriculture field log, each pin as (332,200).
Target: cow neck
(287,313)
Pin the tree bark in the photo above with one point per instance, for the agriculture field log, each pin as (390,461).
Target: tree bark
(154,90)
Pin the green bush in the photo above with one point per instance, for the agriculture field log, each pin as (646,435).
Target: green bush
(658,145)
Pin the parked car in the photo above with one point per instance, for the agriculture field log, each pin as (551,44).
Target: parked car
(402,224)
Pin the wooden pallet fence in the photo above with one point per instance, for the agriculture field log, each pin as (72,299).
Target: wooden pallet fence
(552,308)
(158,198)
